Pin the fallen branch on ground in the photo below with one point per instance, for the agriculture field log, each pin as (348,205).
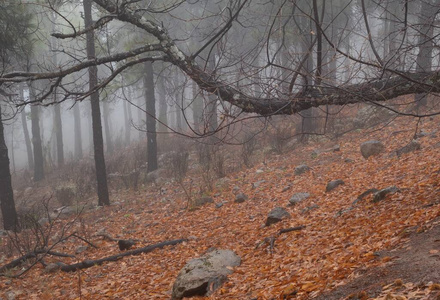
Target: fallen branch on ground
(90,263)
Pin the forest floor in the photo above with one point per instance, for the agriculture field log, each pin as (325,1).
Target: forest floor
(384,250)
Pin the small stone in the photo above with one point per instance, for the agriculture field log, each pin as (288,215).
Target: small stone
(372,148)
(43,221)
(276,215)
(298,197)
(348,160)
(259,171)
(381,195)
(257,184)
(333,184)
(240,198)
(301,169)
(81,249)
(218,205)
(309,208)
(412,146)
(53,267)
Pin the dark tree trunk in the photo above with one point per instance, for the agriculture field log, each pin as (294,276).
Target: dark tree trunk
(98,143)
(27,139)
(10,221)
(150,102)
(36,139)
(163,107)
(77,129)
(106,116)
(127,118)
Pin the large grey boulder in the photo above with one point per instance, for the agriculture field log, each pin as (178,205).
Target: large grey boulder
(301,169)
(202,276)
(276,215)
(298,197)
(412,146)
(240,198)
(372,148)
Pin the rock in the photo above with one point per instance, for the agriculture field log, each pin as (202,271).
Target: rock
(309,208)
(65,210)
(363,195)
(202,276)
(218,205)
(380,195)
(65,194)
(333,184)
(301,169)
(286,188)
(348,160)
(298,197)
(258,183)
(235,190)
(81,249)
(276,215)
(43,221)
(259,171)
(126,244)
(240,198)
(3,232)
(412,146)
(202,201)
(371,148)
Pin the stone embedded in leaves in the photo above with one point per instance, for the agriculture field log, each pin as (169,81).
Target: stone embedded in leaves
(298,197)
(372,148)
(333,184)
(412,146)
(202,201)
(202,276)
(380,195)
(276,215)
(240,198)
(301,169)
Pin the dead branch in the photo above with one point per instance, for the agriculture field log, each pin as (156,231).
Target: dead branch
(90,263)
(33,254)
(291,229)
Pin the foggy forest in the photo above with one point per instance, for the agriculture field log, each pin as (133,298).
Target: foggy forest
(219,149)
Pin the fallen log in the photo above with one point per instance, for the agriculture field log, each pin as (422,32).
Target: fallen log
(33,254)
(296,228)
(90,263)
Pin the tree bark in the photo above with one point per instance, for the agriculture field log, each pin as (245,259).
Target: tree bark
(150,102)
(27,139)
(36,139)
(98,143)
(59,133)
(9,214)
(77,129)
(106,116)
(163,107)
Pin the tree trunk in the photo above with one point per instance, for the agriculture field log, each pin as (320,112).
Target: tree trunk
(424,58)
(150,102)
(9,214)
(98,143)
(27,139)
(163,107)
(106,116)
(211,106)
(36,138)
(77,129)
(197,108)
(127,117)
(59,133)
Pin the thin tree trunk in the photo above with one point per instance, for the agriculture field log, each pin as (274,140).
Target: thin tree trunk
(77,129)
(98,143)
(163,107)
(211,106)
(197,107)
(27,139)
(9,214)
(150,102)
(59,133)
(36,139)
(106,116)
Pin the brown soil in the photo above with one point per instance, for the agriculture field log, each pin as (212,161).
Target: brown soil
(413,272)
